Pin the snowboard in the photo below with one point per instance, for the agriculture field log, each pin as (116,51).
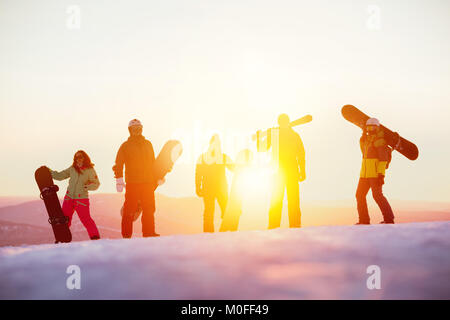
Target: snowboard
(393,139)
(56,217)
(233,211)
(164,162)
(166,158)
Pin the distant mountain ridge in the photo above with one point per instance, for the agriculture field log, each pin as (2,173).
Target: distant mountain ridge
(184,216)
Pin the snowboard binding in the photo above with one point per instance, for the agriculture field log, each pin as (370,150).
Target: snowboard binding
(398,142)
(58,220)
(47,190)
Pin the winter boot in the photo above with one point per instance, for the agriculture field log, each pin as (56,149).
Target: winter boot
(151,235)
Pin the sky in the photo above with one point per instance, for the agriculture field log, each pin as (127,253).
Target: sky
(73,73)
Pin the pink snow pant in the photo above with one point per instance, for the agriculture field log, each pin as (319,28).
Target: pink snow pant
(81,206)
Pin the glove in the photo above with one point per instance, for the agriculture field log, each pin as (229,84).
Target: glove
(87,185)
(302,177)
(120,184)
(380,179)
(199,192)
(160,181)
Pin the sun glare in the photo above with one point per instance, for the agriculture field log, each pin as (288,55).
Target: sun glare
(256,181)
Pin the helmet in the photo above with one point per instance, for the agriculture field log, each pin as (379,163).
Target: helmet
(372,122)
(134,122)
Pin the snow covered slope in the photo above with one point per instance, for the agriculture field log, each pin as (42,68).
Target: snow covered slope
(315,262)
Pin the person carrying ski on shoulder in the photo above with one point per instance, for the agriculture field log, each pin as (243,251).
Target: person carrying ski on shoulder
(376,157)
(82,179)
(288,153)
(138,157)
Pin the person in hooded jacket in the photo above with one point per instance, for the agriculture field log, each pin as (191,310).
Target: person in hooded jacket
(375,161)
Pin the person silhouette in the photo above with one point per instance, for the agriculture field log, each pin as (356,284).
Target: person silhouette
(211,182)
(138,157)
(288,154)
(230,221)
(376,156)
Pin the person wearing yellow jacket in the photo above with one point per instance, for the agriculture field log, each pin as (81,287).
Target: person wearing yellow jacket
(82,179)
(376,156)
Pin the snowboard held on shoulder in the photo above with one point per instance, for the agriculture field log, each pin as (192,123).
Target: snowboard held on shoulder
(164,162)
(393,139)
(56,217)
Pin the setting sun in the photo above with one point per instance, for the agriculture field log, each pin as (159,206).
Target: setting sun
(256,181)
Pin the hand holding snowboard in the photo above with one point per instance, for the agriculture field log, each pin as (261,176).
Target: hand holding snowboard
(393,139)
(164,162)
(56,217)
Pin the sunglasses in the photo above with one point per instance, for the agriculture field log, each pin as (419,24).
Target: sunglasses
(79,156)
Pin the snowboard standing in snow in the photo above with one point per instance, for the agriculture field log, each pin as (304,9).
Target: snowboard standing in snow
(233,211)
(164,162)
(393,139)
(49,194)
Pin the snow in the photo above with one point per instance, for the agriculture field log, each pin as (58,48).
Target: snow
(327,262)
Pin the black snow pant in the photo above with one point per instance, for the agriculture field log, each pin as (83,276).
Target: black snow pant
(135,193)
(364,185)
